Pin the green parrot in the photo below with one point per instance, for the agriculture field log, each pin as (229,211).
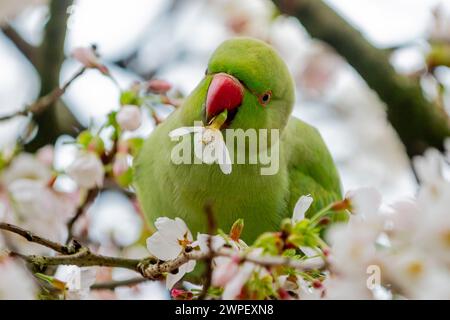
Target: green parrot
(247,79)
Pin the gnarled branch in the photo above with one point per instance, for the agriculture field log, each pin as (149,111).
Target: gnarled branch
(419,123)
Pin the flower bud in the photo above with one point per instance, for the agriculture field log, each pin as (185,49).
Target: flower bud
(120,165)
(158,86)
(236,229)
(129,118)
(87,171)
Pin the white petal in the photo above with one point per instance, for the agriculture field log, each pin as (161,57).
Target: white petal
(365,201)
(429,166)
(88,276)
(172,279)
(216,242)
(184,228)
(171,229)
(161,248)
(301,207)
(184,131)
(234,287)
(311,252)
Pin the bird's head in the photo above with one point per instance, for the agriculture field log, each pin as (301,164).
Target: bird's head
(249,79)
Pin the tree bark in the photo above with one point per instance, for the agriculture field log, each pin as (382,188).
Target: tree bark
(55,119)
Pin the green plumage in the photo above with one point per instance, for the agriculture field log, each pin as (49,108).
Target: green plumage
(306,167)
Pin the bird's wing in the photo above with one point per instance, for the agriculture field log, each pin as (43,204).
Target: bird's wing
(310,166)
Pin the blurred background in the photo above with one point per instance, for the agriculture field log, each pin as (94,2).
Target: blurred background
(173,39)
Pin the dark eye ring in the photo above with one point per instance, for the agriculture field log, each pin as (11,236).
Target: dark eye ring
(265,97)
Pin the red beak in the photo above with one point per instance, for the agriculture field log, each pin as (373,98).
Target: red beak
(225,92)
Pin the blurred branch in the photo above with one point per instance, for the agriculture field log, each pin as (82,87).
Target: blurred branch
(30,236)
(90,197)
(111,285)
(44,102)
(29,51)
(419,123)
(56,119)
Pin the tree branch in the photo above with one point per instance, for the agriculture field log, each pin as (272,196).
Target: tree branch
(30,236)
(111,285)
(46,101)
(53,121)
(24,47)
(419,123)
(90,197)
(149,268)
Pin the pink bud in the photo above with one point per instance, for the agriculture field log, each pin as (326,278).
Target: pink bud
(129,118)
(87,57)
(120,165)
(158,86)
(181,294)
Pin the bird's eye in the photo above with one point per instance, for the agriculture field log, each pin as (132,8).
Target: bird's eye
(206,71)
(265,97)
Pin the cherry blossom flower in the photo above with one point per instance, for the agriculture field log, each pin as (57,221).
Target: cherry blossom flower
(209,145)
(168,242)
(129,118)
(87,170)
(77,281)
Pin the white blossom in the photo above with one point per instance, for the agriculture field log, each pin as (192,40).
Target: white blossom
(87,170)
(40,208)
(77,281)
(170,239)
(209,145)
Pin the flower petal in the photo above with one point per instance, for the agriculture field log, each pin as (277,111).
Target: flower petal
(301,207)
(165,250)
(171,229)
(365,201)
(234,287)
(172,279)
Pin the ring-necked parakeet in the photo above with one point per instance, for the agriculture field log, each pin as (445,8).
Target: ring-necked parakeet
(249,79)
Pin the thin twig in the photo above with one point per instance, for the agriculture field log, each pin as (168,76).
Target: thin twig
(29,51)
(44,102)
(90,197)
(111,285)
(30,236)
